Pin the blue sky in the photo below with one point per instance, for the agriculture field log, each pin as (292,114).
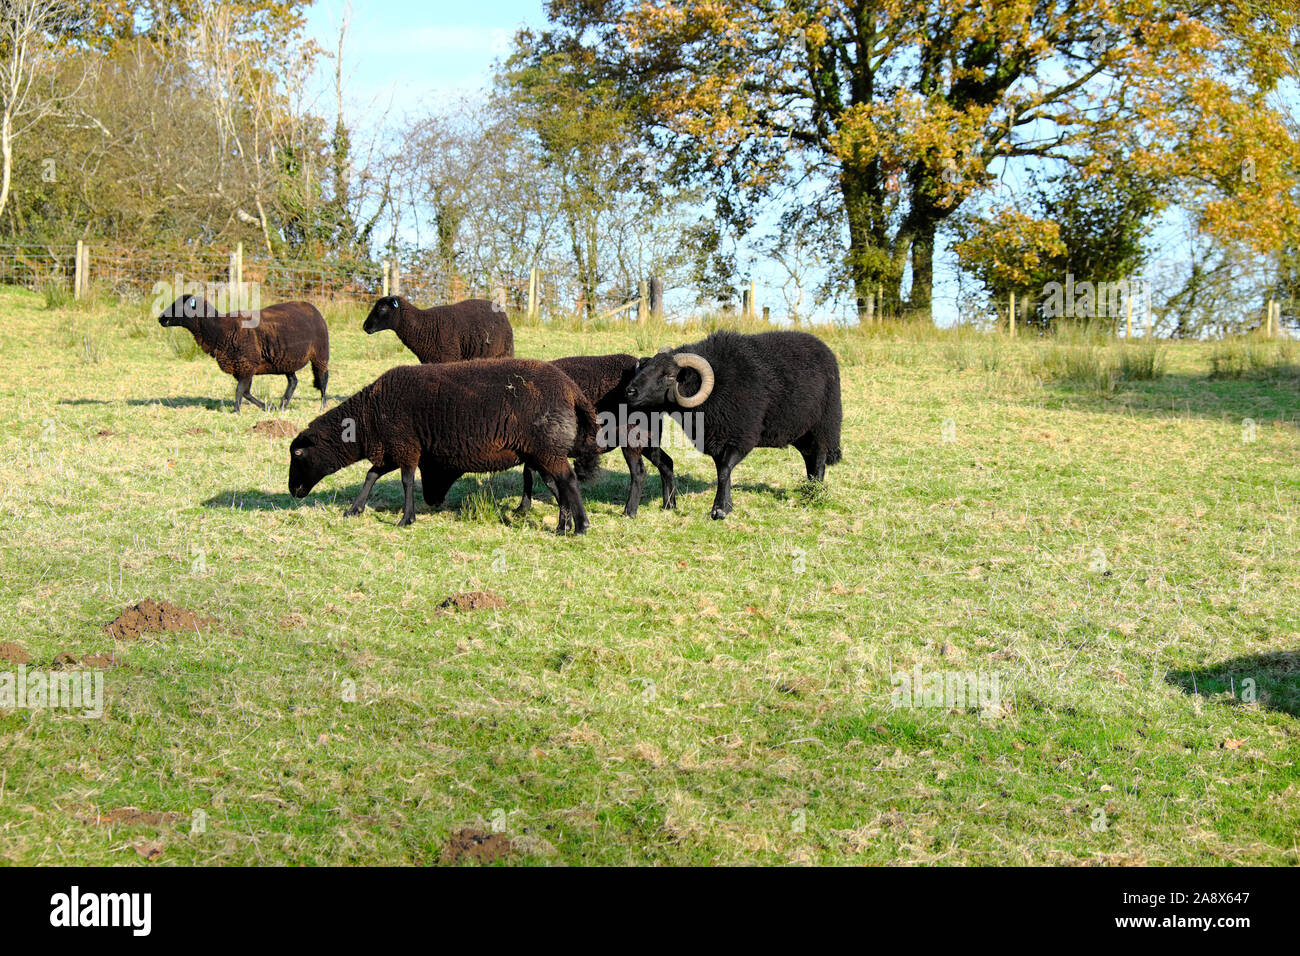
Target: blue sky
(407,52)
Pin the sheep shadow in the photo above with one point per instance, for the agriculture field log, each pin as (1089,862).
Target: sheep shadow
(503,488)
(1272,680)
(385,497)
(178,401)
(194,401)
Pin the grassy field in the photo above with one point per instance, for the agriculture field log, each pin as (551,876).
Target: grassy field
(1111,534)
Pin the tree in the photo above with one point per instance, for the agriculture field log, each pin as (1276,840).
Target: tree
(1086,229)
(29,90)
(900,107)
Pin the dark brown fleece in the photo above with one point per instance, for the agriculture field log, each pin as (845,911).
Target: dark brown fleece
(279,340)
(452,419)
(473,329)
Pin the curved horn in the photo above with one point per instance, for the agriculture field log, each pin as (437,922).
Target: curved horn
(701,365)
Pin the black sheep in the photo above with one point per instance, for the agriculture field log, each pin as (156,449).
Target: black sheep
(451,419)
(473,329)
(602,379)
(276,340)
(768,390)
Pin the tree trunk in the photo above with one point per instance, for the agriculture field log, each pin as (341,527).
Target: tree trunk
(6,158)
(921,297)
(859,208)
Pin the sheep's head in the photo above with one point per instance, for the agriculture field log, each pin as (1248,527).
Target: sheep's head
(185,312)
(383,314)
(313,455)
(657,379)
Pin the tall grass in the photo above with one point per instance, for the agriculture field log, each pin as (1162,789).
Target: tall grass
(1252,355)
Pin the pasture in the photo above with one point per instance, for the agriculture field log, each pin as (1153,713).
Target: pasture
(1109,532)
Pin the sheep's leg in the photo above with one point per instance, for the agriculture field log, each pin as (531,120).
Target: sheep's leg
(359,505)
(636,468)
(244,390)
(569,497)
(526,501)
(665,465)
(568,485)
(408,486)
(725,462)
(814,460)
(322,378)
(288,392)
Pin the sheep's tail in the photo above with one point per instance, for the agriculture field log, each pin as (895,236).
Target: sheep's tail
(586,449)
(834,455)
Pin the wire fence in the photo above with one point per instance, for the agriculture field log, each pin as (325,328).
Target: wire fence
(135,274)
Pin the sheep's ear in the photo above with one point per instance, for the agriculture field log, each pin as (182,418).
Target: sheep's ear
(665,350)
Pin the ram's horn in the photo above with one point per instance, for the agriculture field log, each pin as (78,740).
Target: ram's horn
(701,365)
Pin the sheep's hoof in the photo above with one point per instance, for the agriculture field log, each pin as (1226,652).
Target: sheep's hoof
(521,510)
(717,514)
(352,512)
(405,521)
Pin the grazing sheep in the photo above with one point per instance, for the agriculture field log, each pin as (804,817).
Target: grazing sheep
(473,329)
(451,419)
(768,390)
(602,379)
(276,340)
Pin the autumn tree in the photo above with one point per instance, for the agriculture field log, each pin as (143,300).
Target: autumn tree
(900,108)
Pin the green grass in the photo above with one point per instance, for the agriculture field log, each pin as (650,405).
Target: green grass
(1117,547)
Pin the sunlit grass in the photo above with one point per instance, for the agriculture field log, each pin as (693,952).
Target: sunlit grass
(1118,550)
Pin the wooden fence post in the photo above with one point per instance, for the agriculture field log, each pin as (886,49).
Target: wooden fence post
(77,279)
(532,293)
(643,302)
(396,282)
(1128,334)
(767,315)
(239,263)
(1011,316)
(1268,322)
(746,303)
(385,270)
(657,297)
